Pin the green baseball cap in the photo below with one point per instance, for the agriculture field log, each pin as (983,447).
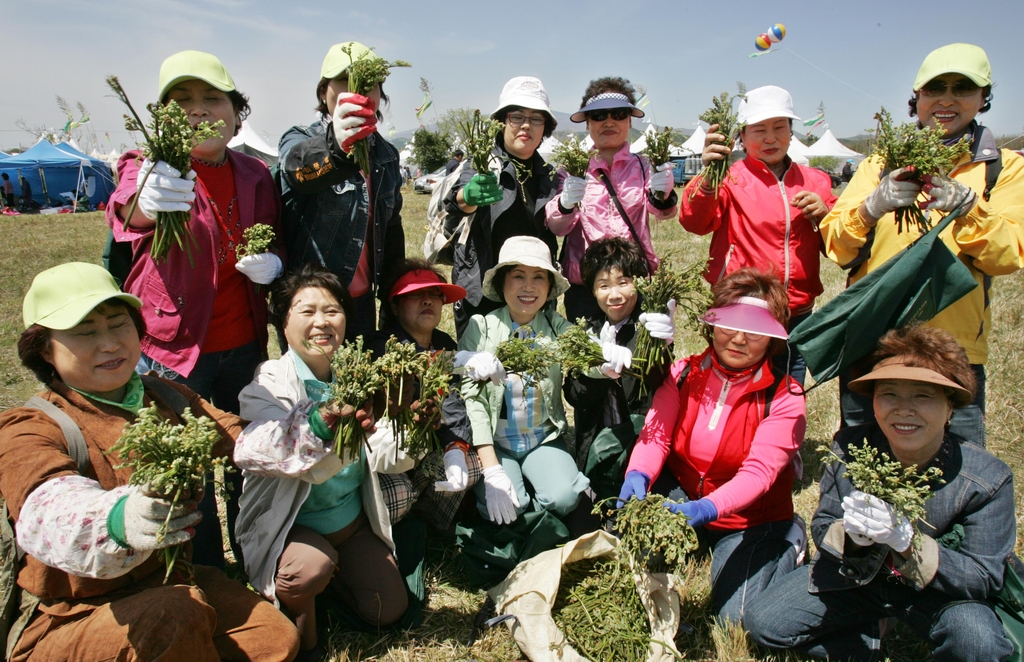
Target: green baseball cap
(62,296)
(336,61)
(966,59)
(194,64)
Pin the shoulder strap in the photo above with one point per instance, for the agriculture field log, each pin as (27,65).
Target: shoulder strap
(683,375)
(769,393)
(167,393)
(992,170)
(603,176)
(72,433)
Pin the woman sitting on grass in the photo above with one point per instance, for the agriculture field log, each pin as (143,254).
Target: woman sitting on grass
(308,517)
(727,426)
(871,565)
(92,576)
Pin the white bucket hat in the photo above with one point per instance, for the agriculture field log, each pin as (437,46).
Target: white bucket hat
(530,252)
(765,103)
(524,92)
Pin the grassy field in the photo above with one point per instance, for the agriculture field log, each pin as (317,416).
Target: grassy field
(34,243)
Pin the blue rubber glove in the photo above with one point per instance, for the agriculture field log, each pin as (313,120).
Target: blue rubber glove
(482,190)
(697,513)
(635,485)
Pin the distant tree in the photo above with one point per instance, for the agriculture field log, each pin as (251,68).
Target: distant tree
(450,120)
(809,140)
(829,163)
(430,149)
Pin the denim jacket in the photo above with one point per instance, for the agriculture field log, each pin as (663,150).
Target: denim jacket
(977,493)
(326,204)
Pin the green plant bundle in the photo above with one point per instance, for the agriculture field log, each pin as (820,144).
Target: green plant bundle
(256,240)
(356,380)
(435,382)
(578,350)
(904,488)
(365,73)
(573,157)
(690,292)
(170,460)
(399,366)
(648,530)
(598,608)
(907,145)
(530,358)
(170,138)
(478,135)
(721,113)
(658,149)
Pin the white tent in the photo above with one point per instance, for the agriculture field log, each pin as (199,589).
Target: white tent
(405,154)
(641,142)
(797,151)
(548,146)
(249,142)
(827,145)
(588,142)
(695,143)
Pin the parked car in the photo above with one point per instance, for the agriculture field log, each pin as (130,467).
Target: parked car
(837,181)
(425,184)
(685,168)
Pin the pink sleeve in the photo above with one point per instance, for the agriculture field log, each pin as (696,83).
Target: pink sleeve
(127,175)
(776,441)
(558,222)
(655,440)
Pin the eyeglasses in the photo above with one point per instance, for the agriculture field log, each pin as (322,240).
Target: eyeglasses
(618,114)
(519,119)
(961,88)
(732,332)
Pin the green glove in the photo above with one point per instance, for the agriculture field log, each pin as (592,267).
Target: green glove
(482,190)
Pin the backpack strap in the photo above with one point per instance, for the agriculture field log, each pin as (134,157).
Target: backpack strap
(769,393)
(683,375)
(992,170)
(72,433)
(178,402)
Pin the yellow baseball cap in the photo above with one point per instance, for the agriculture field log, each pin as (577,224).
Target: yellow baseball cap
(62,296)
(336,61)
(966,59)
(194,64)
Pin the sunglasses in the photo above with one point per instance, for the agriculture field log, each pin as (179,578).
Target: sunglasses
(961,88)
(618,114)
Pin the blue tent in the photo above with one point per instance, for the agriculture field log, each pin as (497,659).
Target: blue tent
(53,170)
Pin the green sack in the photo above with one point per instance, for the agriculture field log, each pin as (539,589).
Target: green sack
(609,452)
(490,551)
(913,286)
(1009,606)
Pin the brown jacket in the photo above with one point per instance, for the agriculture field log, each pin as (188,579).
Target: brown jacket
(33,451)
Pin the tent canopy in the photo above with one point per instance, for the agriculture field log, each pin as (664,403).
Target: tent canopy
(827,145)
(249,142)
(547,146)
(63,169)
(641,142)
(797,151)
(695,143)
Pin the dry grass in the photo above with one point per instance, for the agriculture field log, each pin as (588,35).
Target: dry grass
(33,243)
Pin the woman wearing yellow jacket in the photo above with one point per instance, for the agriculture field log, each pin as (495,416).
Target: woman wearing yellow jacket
(952,87)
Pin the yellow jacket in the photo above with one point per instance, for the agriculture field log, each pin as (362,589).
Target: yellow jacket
(989,239)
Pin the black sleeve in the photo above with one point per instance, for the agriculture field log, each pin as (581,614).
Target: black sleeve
(394,243)
(313,163)
(455,424)
(670,200)
(451,206)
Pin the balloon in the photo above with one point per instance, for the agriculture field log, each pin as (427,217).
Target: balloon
(762,43)
(776,33)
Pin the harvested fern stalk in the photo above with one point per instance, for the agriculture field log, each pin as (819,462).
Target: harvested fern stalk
(712,176)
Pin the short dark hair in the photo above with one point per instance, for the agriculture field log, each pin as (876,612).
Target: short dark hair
(986,96)
(35,341)
(609,84)
(458,152)
(610,252)
(321,91)
(311,274)
(750,282)
(4,175)
(498,282)
(409,264)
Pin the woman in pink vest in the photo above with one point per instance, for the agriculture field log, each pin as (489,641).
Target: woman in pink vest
(727,426)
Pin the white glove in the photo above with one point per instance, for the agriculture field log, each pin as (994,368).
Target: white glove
(662,179)
(572,192)
(501,495)
(164,189)
(481,366)
(144,515)
(261,269)
(945,194)
(660,325)
(352,121)
(455,471)
(891,194)
(616,357)
(875,520)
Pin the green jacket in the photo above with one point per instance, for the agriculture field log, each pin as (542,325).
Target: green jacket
(483,399)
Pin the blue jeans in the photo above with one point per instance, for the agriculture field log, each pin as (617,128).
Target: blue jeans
(217,377)
(968,422)
(843,624)
(552,472)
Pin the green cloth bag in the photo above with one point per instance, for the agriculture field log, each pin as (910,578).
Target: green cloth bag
(609,452)
(1009,606)
(490,551)
(913,286)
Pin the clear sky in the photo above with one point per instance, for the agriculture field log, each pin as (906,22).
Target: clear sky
(853,56)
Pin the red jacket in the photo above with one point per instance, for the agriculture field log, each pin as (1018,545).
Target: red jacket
(755,226)
(177,299)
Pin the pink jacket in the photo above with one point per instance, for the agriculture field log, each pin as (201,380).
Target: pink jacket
(596,217)
(755,226)
(775,440)
(177,300)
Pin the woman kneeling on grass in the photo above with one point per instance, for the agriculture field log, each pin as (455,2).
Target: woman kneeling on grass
(611,406)
(308,517)
(727,426)
(871,565)
(90,540)
(519,424)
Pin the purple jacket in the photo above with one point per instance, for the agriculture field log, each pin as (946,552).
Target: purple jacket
(177,300)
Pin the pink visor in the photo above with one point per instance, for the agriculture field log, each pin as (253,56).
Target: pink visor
(422,279)
(749,315)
